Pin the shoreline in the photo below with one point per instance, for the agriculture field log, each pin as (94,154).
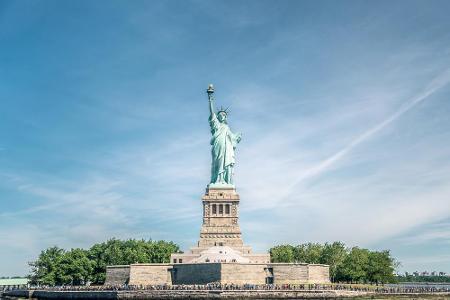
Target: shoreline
(206,294)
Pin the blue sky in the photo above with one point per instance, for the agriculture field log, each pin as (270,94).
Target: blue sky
(344,109)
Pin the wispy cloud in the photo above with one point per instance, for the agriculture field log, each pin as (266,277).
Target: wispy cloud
(436,233)
(424,262)
(435,85)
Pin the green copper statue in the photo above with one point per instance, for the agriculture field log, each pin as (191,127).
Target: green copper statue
(223,144)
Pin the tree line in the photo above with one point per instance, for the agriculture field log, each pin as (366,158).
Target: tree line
(56,266)
(431,278)
(355,265)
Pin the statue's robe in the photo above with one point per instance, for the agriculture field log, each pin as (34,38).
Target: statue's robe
(223,144)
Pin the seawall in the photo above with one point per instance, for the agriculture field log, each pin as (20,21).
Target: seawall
(182,294)
(212,294)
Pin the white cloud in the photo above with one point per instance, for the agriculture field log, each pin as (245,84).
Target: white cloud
(436,233)
(438,83)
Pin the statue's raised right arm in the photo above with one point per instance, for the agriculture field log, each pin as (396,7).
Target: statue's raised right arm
(210,92)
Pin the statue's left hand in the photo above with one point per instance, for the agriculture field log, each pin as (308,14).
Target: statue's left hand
(238,137)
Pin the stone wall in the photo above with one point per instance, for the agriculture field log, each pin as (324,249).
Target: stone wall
(289,273)
(117,275)
(196,273)
(185,257)
(239,273)
(258,258)
(319,273)
(150,274)
(203,273)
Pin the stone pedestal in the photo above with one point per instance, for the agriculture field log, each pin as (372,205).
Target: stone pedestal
(220,219)
(220,226)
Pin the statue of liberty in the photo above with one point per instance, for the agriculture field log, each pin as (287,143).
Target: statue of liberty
(223,144)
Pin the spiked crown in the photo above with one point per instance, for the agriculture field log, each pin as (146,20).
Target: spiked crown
(223,110)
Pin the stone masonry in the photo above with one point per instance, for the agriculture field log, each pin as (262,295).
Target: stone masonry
(220,227)
(225,273)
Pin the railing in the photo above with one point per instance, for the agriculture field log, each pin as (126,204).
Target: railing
(252,287)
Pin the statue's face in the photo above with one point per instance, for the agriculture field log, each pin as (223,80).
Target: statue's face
(222,117)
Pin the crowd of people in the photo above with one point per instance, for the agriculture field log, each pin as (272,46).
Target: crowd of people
(391,289)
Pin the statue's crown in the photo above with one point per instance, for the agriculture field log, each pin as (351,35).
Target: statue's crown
(223,110)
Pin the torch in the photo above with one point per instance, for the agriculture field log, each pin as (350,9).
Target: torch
(210,91)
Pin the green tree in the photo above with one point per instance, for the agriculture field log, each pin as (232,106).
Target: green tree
(46,269)
(300,253)
(333,255)
(76,267)
(55,266)
(354,266)
(380,267)
(162,251)
(282,253)
(412,278)
(313,253)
